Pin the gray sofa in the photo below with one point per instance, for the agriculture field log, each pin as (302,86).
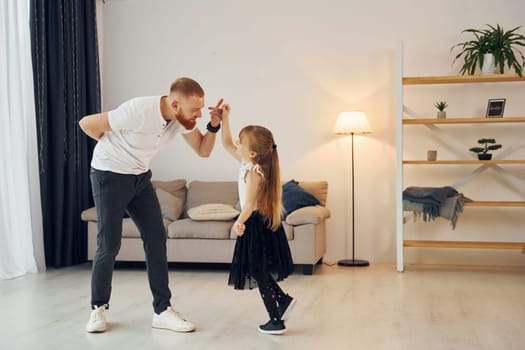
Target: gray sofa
(212,241)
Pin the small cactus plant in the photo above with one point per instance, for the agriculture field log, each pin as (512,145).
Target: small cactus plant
(441,105)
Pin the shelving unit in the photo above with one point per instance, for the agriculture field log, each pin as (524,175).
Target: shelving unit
(401,242)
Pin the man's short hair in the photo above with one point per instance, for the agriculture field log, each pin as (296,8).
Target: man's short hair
(186,87)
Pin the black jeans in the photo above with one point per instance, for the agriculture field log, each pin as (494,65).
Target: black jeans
(114,195)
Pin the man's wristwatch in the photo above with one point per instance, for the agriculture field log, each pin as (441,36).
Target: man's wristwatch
(212,128)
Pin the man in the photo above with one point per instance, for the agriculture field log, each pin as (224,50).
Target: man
(128,138)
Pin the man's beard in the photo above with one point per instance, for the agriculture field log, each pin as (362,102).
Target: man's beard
(188,124)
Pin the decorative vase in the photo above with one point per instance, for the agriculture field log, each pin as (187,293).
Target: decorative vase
(488,64)
(432,155)
(484,156)
(441,114)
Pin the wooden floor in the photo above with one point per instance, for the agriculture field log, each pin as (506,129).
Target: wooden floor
(423,308)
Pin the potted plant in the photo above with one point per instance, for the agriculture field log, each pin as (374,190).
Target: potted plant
(483,151)
(491,44)
(441,105)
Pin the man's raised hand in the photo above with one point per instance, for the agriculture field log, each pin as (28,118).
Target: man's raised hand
(216,113)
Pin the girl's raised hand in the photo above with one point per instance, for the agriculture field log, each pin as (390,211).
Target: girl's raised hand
(226,111)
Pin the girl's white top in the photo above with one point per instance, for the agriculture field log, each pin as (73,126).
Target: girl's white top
(245,167)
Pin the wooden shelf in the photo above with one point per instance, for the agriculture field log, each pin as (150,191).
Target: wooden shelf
(463,120)
(483,204)
(495,204)
(405,117)
(462,79)
(465,161)
(465,244)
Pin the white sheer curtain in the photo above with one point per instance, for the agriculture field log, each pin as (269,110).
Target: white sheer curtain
(21,232)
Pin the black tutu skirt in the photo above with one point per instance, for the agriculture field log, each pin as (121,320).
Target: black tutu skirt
(259,252)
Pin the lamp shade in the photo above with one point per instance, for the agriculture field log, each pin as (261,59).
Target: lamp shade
(352,123)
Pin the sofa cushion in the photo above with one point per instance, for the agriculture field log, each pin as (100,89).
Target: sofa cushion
(130,230)
(204,192)
(308,215)
(188,228)
(170,205)
(213,211)
(295,197)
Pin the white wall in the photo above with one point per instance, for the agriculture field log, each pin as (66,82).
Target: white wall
(292,66)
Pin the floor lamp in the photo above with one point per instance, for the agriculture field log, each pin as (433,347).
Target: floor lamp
(352,123)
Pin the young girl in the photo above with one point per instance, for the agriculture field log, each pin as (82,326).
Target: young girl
(262,255)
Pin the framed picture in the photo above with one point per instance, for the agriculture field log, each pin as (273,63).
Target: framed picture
(495,108)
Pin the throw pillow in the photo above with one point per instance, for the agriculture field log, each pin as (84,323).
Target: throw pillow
(176,188)
(294,197)
(213,211)
(170,205)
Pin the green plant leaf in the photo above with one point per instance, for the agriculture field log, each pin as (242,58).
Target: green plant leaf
(493,39)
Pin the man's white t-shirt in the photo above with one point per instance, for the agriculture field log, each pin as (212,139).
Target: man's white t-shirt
(138,133)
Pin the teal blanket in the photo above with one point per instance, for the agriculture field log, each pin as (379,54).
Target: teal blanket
(431,202)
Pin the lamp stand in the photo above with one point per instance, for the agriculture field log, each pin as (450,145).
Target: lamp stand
(353,261)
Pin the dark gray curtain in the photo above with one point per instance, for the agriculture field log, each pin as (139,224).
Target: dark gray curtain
(67,87)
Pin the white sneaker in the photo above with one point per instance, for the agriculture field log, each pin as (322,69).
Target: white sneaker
(172,320)
(97,320)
